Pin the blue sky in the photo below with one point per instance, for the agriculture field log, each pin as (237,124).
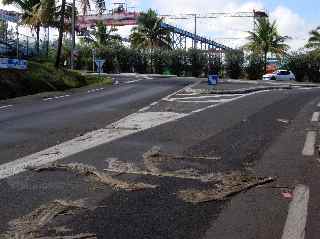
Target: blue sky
(308,9)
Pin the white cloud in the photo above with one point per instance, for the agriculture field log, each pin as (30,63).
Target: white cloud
(227,30)
(291,24)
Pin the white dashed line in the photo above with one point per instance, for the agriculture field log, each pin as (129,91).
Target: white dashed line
(56,97)
(295,225)
(5,106)
(318,104)
(309,145)
(95,90)
(315,117)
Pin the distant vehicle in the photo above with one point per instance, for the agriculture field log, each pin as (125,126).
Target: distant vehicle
(279,75)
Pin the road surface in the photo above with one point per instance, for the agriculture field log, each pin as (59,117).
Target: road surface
(268,134)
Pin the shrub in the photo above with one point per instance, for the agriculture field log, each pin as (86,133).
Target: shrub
(198,61)
(215,65)
(178,62)
(255,67)
(234,61)
(305,65)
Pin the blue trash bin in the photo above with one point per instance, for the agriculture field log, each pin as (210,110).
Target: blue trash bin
(213,79)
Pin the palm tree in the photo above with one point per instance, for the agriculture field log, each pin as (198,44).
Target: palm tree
(314,40)
(149,33)
(27,7)
(35,13)
(266,39)
(85,5)
(61,29)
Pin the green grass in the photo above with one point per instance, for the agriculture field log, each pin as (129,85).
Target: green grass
(42,77)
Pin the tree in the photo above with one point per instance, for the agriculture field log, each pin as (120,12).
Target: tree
(234,64)
(254,67)
(266,39)
(149,33)
(63,12)
(61,28)
(314,40)
(35,13)
(105,37)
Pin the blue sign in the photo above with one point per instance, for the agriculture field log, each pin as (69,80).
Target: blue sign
(99,64)
(6,63)
(213,79)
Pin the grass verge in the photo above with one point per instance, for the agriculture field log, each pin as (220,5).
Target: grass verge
(43,77)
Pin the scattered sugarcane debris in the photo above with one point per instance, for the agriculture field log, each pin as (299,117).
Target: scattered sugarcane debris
(230,184)
(95,175)
(30,225)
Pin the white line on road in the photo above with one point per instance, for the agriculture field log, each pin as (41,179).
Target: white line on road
(309,145)
(55,97)
(133,81)
(131,124)
(95,90)
(204,101)
(318,104)
(206,96)
(297,215)
(315,117)
(5,106)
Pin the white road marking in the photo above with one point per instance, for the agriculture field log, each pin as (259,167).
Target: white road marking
(55,97)
(131,124)
(205,97)
(95,90)
(147,77)
(204,101)
(5,106)
(318,104)
(297,215)
(187,94)
(133,81)
(315,117)
(309,145)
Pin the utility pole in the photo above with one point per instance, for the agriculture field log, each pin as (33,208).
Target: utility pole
(73,33)
(195,31)
(17,32)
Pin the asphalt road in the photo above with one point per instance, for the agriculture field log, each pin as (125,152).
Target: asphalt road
(30,125)
(264,133)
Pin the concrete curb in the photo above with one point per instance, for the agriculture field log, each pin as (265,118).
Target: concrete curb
(239,91)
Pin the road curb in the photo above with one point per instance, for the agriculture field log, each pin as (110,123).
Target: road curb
(239,91)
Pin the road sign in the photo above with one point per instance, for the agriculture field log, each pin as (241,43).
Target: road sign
(213,79)
(99,64)
(6,63)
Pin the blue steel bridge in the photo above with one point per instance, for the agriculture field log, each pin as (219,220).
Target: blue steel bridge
(179,40)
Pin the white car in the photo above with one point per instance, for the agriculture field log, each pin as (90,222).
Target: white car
(279,75)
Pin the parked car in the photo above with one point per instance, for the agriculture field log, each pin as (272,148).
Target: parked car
(279,75)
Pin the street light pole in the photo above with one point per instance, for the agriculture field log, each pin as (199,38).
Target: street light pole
(73,33)
(195,31)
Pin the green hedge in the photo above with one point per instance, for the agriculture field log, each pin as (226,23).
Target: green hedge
(123,59)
